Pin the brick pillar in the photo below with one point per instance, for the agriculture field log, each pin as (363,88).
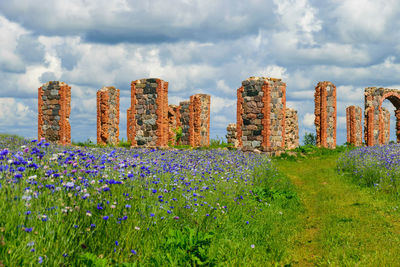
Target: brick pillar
(174,122)
(291,129)
(54,108)
(231,134)
(108,116)
(148,114)
(325,114)
(354,125)
(261,114)
(384,127)
(184,121)
(239,116)
(199,120)
(397,114)
(195,120)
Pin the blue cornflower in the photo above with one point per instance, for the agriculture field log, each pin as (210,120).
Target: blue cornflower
(133,251)
(65,255)
(154,191)
(116,243)
(151,214)
(40,259)
(128,206)
(105,218)
(92,225)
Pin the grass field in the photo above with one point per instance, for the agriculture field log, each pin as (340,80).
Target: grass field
(101,206)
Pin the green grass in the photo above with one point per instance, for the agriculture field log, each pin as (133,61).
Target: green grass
(343,224)
(261,215)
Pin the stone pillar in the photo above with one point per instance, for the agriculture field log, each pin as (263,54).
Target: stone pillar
(354,125)
(261,115)
(291,129)
(397,114)
(384,125)
(325,114)
(239,117)
(174,122)
(148,114)
(185,118)
(231,134)
(54,108)
(199,120)
(108,116)
(195,120)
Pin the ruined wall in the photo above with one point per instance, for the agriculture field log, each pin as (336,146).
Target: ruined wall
(291,129)
(108,116)
(174,122)
(54,108)
(261,114)
(231,135)
(199,120)
(374,125)
(148,114)
(385,137)
(354,125)
(325,114)
(185,118)
(195,120)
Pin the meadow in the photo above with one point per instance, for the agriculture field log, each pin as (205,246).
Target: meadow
(88,205)
(100,206)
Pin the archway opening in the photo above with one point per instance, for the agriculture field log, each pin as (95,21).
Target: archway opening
(390,119)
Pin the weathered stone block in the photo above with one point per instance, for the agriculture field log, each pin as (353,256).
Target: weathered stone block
(54,108)
(108,116)
(325,114)
(148,113)
(261,108)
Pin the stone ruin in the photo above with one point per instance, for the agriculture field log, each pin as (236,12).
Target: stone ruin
(386,126)
(231,135)
(376,118)
(108,116)
(195,120)
(354,125)
(147,118)
(174,122)
(325,114)
(54,108)
(291,129)
(261,108)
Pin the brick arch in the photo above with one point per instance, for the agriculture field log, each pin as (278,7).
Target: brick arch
(375,115)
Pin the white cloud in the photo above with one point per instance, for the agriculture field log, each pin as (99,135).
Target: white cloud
(218,103)
(308,119)
(14,113)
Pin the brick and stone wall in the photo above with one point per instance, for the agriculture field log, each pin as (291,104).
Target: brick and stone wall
(354,125)
(325,114)
(386,126)
(185,118)
(375,132)
(174,122)
(54,108)
(108,116)
(231,134)
(199,120)
(261,117)
(291,129)
(148,115)
(195,120)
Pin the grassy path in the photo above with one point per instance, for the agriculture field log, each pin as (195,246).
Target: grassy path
(342,224)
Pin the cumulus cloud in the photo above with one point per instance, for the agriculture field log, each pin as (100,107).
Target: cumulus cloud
(198,47)
(308,119)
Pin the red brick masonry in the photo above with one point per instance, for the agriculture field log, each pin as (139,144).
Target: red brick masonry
(325,114)
(54,108)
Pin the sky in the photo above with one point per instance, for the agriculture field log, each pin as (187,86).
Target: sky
(198,46)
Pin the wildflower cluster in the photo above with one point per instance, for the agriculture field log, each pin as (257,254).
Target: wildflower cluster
(107,200)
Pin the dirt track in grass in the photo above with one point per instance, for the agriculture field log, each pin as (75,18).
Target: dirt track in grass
(343,224)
